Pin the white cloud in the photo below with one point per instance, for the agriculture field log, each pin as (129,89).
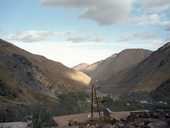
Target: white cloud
(138,37)
(151,12)
(109,12)
(104,12)
(145,19)
(78,39)
(99,39)
(34,36)
(149,19)
(86,39)
(155,6)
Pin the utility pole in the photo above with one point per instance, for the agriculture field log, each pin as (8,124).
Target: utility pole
(93,94)
(97,101)
(92,101)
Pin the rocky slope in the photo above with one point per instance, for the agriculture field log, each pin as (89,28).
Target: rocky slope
(25,76)
(147,76)
(102,70)
(162,92)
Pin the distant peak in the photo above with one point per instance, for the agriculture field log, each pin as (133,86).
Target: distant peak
(81,66)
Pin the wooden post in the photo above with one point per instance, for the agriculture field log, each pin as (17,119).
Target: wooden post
(92,101)
(98,107)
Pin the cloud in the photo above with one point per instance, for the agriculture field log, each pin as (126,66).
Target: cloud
(86,39)
(138,37)
(145,19)
(156,6)
(149,19)
(34,36)
(78,39)
(109,12)
(168,27)
(99,39)
(150,12)
(104,12)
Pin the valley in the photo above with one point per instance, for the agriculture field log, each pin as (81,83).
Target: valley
(132,80)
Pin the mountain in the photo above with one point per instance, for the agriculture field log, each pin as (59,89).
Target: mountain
(27,77)
(102,70)
(150,75)
(81,66)
(162,92)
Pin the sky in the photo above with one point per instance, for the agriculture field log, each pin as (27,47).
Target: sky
(84,31)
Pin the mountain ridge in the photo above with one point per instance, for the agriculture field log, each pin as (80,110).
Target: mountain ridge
(36,73)
(144,77)
(115,63)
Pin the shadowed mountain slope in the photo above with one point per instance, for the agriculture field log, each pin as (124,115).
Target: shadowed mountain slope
(24,75)
(147,76)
